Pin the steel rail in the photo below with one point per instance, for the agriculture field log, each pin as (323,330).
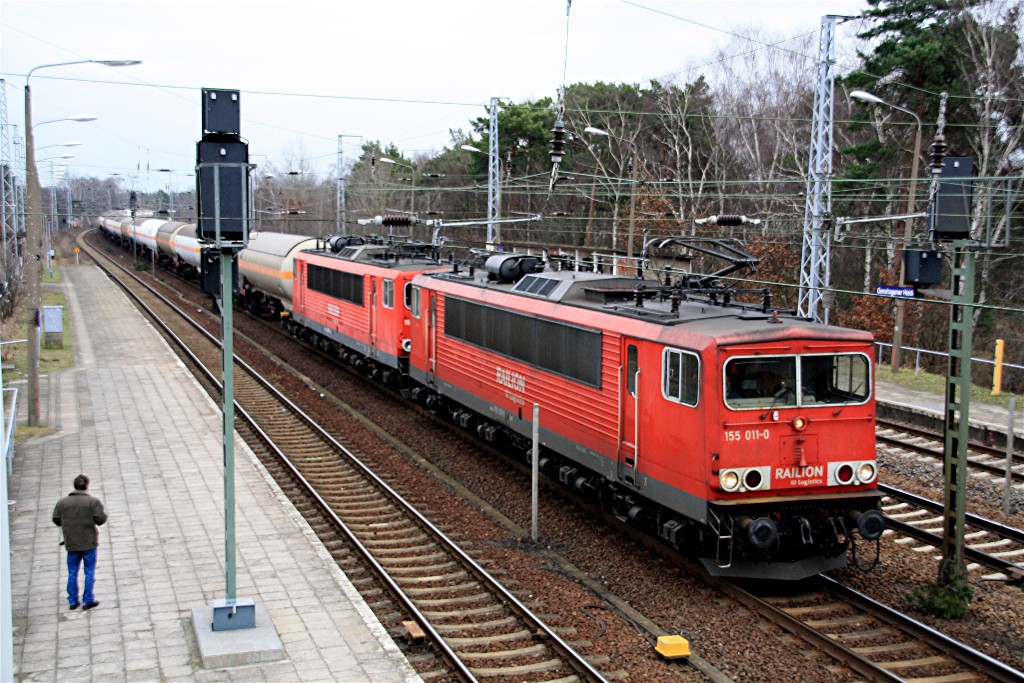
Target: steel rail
(940,641)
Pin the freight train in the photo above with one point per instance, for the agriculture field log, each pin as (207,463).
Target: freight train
(730,430)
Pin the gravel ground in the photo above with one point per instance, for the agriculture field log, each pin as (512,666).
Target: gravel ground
(995,624)
(744,646)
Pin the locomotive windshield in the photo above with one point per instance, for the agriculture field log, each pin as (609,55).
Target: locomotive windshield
(762,382)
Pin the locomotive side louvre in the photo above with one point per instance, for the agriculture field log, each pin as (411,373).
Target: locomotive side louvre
(505,388)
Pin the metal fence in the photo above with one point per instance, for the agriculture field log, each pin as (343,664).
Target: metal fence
(880,357)
(9,414)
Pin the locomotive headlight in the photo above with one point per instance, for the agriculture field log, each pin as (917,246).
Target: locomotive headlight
(730,480)
(866,472)
(799,423)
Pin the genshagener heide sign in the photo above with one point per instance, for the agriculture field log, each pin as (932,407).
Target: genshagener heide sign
(899,292)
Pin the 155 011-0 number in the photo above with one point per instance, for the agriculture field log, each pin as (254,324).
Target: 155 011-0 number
(747,434)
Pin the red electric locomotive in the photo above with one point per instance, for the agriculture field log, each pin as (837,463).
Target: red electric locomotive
(351,297)
(718,426)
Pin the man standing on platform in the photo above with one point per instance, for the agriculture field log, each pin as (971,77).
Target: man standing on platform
(79,514)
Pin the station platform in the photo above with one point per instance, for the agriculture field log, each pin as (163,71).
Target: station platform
(981,416)
(131,417)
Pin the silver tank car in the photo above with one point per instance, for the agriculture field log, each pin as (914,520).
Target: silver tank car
(268,261)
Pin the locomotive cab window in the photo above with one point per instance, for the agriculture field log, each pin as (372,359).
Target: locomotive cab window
(407,292)
(769,382)
(631,369)
(680,376)
(831,379)
(389,294)
(414,301)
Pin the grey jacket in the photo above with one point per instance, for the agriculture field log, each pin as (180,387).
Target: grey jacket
(78,514)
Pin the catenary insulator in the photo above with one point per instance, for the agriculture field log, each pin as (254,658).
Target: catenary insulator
(557,142)
(397,220)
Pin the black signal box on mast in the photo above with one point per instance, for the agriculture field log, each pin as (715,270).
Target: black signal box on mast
(222,172)
(953,200)
(222,112)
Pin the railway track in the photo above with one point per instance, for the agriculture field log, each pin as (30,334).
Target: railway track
(876,641)
(989,545)
(478,628)
(981,458)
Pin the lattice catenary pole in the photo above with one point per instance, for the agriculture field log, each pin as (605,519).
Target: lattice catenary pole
(814,252)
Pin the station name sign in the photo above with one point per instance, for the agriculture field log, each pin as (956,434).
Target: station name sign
(898,292)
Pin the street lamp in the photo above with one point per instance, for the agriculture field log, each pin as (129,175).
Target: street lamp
(901,303)
(61,156)
(632,191)
(33,232)
(73,143)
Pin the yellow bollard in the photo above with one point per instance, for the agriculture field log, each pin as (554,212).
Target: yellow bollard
(997,372)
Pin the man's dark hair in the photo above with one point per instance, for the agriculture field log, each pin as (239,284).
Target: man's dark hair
(81,482)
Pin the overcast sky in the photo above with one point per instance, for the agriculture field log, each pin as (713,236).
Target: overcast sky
(401,71)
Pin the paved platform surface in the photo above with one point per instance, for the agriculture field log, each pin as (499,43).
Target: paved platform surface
(131,417)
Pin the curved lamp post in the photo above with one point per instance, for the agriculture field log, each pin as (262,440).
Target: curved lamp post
(33,230)
(897,330)
(73,143)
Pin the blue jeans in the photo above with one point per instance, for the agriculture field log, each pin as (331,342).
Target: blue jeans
(75,558)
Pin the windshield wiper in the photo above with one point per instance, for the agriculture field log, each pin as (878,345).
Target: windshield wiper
(779,394)
(849,397)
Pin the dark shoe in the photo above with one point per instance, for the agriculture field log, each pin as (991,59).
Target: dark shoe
(74,606)
(90,605)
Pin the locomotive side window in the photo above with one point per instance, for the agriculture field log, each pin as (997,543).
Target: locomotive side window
(413,302)
(334,283)
(763,382)
(389,294)
(680,372)
(408,296)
